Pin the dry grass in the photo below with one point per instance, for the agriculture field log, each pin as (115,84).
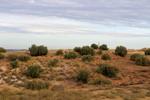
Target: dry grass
(65,73)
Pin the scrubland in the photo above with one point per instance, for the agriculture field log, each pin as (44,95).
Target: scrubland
(99,74)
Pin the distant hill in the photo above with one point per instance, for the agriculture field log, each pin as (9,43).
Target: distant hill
(11,50)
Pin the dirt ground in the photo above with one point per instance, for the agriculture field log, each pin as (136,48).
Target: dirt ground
(65,72)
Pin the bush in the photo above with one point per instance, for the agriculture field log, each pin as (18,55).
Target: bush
(37,85)
(14,64)
(2,56)
(100,81)
(121,51)
(106,57)
(94,46)
(87,58)
(42,50)
(53,62)
(103,47)
(2,50)
(77,49)
(59,52)
(12,57)
(147,52)
(85,50)
(108,70)
(24,58)
(134,56)
(38,50)
(83,75)
(100,52)
(71,55)
(143,61)
(33,71)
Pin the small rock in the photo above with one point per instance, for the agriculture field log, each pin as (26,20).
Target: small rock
(57,88)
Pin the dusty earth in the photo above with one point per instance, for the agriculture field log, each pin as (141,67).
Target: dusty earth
(65,72)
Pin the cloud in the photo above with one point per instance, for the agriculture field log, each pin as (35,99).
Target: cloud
(32,1)
(59,26)
(132,13)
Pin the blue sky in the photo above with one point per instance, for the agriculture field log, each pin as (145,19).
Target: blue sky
(64,24)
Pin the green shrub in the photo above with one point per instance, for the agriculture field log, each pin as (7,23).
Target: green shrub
(24,58)
(33,71)
(42,50)
(59,52)
(34,50)
(100,52)
(53,62)
(14,64)
(94,46)
(71,55)
(100,80)
(134,56)
(83,75)
(2,56)
(37,85)
(106,57)
(147,52)
(38,50)
(103,47)
(77,49)
(87,58)
(2,50)
(121,51)
(108,70)
(12,57)
(143,61)
(85,50)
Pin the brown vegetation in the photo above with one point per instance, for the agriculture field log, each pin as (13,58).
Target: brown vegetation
(65,73)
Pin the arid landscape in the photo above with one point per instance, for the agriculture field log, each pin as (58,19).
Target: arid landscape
(131,83)
(74,50)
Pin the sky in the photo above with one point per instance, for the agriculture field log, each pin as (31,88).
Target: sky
(65,24)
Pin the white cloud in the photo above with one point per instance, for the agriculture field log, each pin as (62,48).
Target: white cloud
(68,19)
(32,1)
(134,13)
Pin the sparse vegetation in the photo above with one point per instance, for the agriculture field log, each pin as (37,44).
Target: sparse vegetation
(14,64)
(71,55)
(147,52)
(77,49)
(85,50)
(134,56)
(37,85)
(33,71)
(108,70)
(100,80)
(24,58)
(52,62)
(121,51)
(143,61)
(103,47)
(38,50)
(59,52)
(70,74)
(10,93)
(2,50)
(2,56)
(87,58)
(106,57)
(83,75)
(94,46)
(12,57)
(100,52)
